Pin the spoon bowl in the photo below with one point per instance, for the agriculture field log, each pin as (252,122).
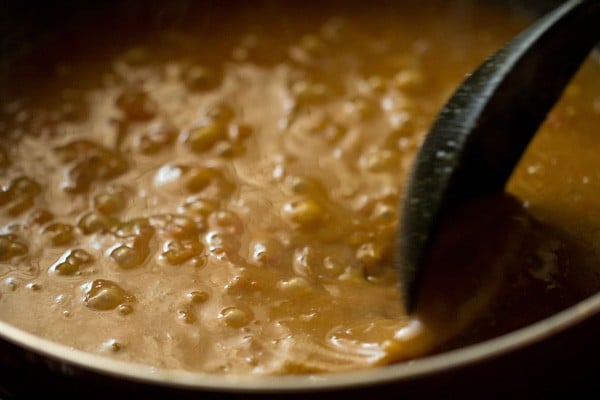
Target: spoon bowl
(481,133)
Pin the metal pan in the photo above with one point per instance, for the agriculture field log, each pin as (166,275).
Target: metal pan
(558,355)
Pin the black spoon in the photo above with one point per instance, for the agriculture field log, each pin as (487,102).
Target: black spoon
(481,133)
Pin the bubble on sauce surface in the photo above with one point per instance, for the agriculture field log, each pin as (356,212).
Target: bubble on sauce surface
(168,173)
(129,256)
(226,221)
(199,261)
(221,243)
(134,228)
(19,195)
(40,217)
(235,317)
(103,295)
(34,286)
(222,112)
(199,209)
(156,139)
(227,149)
(295,286)
(186,315)
(136,104)
(203,138)
(88,162)
(384,213)
(239,132)
(70,262)
(175,226)
(125,309)
(59,233)
(304,213)
(11,246)
(177,252)
(267,251)
(197,296)
(11,283)
(110,203)
(198,178)
(61,299)
(94,222)
(113,345)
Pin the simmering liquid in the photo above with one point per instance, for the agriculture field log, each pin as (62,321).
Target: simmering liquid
(222,195)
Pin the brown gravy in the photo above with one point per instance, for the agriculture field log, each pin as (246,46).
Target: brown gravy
(225,201)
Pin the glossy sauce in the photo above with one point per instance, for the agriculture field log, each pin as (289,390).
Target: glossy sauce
(228,203)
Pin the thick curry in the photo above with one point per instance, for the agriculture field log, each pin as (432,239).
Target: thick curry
(222,196)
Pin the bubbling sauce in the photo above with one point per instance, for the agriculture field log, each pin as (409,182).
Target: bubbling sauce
(225,200)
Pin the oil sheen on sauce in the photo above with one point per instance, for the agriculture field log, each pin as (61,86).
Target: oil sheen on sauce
(222,197)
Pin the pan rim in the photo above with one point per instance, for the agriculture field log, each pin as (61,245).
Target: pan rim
(394,373)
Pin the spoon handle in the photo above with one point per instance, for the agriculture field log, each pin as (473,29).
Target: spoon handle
(483,130)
